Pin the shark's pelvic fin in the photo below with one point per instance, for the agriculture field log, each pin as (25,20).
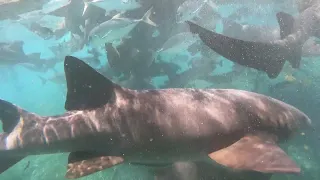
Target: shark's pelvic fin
(87,89)
(85,163)
(258,153)
(266,57)
(286,23)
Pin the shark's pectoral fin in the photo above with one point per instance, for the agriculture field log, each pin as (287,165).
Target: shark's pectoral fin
(255,153)
(266,57)
(85,163)
(286,22)
(87,89)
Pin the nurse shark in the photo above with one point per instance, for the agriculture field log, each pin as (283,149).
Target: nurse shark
(106,124)
(268,56)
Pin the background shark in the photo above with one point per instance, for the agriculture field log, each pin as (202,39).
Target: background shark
(12,8)
(12,54)
(243,52)
(106,124)
(267,56)
(256,33)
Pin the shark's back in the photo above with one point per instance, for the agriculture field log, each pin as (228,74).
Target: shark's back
(175,115)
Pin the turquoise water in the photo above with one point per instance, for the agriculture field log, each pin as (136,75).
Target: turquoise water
(23,87)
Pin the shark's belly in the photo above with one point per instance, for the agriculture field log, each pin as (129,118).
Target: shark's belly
(166,156)
(180,148)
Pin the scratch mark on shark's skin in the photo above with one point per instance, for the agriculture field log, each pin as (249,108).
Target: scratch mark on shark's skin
(94,125)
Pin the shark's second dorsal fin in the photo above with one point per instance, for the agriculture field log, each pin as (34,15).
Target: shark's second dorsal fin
(9,116)
(255,153)
(87,89)
(286,22)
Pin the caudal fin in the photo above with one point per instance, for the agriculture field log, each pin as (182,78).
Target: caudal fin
(146,18)
(266,57)
(7,162)
(9,116)
(286,23)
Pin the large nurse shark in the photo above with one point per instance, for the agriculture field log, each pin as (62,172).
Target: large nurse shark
(268,56)
(106,124)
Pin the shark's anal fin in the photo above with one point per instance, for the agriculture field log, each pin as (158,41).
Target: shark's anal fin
(286,22)
(87,89)
(85,163)
(7,162)
(255,153)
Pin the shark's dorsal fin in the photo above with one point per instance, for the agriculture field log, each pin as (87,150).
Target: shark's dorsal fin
(85,163)
(87,89)
(286,22)
(255,153)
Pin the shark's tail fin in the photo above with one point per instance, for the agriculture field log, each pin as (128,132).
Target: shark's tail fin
(10,117)
(266,57)
(286,23)
(146,17)
(7,162)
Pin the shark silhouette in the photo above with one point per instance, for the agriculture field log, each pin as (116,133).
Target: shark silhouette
(106,124)
(267,56)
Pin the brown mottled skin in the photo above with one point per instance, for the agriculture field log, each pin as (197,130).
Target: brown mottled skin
(182,119)
(154,126)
